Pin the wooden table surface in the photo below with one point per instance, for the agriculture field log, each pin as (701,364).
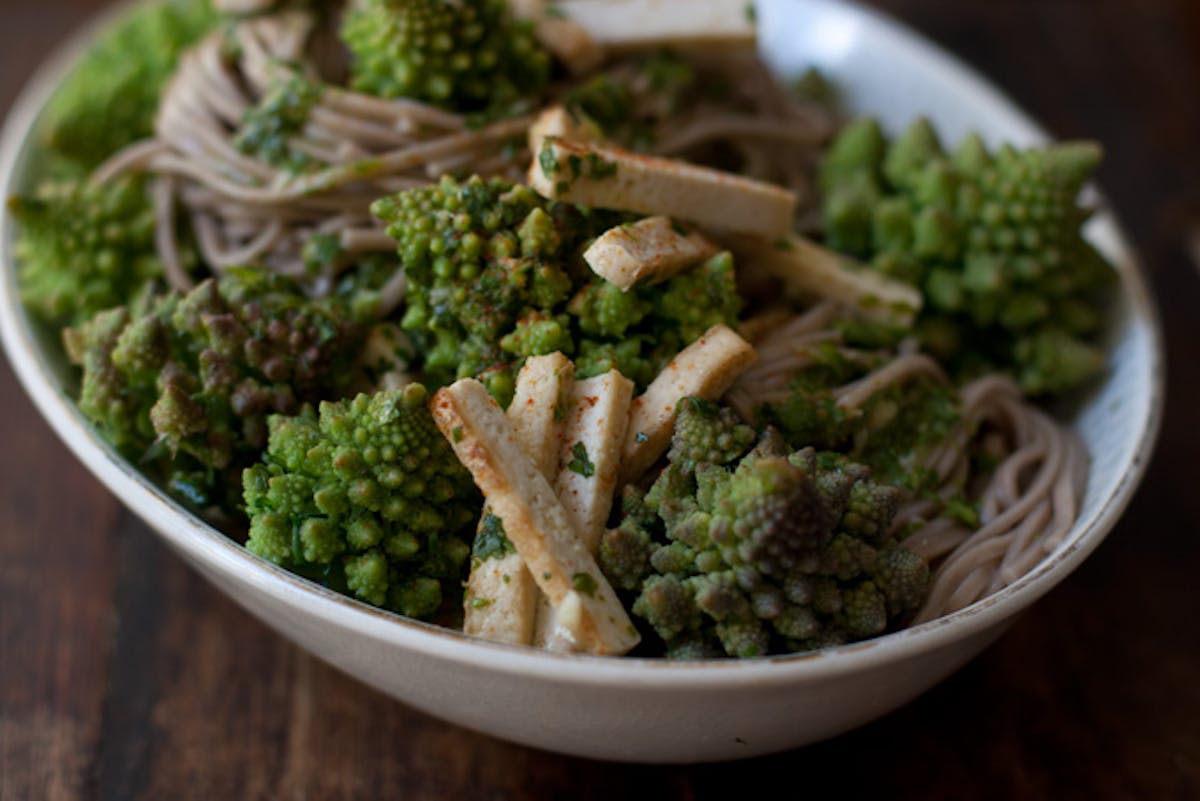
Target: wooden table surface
(123,675)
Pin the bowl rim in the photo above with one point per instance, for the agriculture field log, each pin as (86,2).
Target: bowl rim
(215,553)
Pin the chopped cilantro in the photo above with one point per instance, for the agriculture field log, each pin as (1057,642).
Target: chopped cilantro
(579,461)
(490,541)
(584,583)
(547,159)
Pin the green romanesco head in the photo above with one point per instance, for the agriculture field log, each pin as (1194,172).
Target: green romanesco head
(765,553)
(604,310)
(183,384)
(640,330)
(992,238)
(770,516)
(480,257)
(707,433)
(109,100)
(698,299)
(464,55)
(367,496)
(495,274)
(82,247)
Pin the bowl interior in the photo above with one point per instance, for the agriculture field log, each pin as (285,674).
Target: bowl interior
(884,70)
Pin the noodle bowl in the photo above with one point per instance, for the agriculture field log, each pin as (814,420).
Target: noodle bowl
(242,210)
(638,709)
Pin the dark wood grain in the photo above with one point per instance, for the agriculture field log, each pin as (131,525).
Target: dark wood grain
(124,676)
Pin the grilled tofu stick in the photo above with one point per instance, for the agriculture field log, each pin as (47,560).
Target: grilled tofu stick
(641,24)
(557,122)
(501,599)
(590,456)
(540,406)
(704,369)
(611,178)
(588,611)
(807,270)
(569,41)
(647,251)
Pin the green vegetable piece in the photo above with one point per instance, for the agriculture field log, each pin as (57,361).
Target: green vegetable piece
(494,275)
(402,486)
(993,239)
(706,433)
(1052,361)
(183,384)
(908,155)
(760,549)
(82,248)
(464,55)
(584,583)
(111,97)
(858,148)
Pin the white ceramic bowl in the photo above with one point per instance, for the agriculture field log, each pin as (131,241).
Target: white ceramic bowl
(647,710)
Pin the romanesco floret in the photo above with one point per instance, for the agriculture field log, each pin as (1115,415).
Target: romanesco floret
(770,516)
(707,433)
(495,275)
(605,310)
(992,239)
(479,256)
(82,247)
(111,97)
(629,104)
(183,384)
(465,55)
(368,497)
(700,298)
(639,331)
(537,334)
(758,551)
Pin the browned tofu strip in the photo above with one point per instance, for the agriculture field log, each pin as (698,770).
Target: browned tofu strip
(704,369)
(557,122)
(539,406)
(589,458)
(500,602)
(807,271)
(612,178)
(501,599)
(590,453)
(566,39)
(536,522)
(570,43)
(640,24)
(647,251)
